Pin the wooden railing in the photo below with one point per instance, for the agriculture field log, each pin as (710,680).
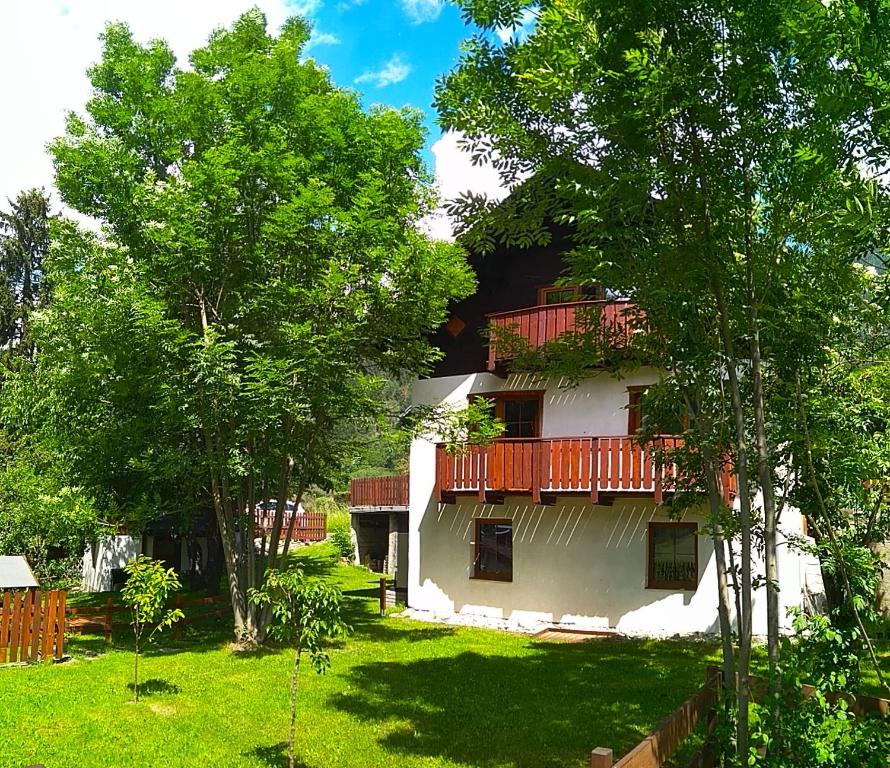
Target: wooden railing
(379,492)
(557,465)
(32,626)
(533,327)
(657,748)
(310,526)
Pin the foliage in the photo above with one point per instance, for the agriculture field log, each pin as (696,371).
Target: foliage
(260,279)
(815,730)
(459,427)
(147,589)
(43,519)
(306,611)
(339,526)
(24,242)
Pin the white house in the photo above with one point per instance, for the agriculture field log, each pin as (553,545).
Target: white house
(564,520)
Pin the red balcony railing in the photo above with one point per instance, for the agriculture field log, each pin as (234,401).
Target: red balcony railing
(533,327)
(590,465)
(383,492)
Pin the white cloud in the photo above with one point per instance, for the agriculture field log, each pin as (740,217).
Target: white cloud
(420,11)
(48,45)
(394,71)
(521,30)
(321,38)
(304,8)
(456,174)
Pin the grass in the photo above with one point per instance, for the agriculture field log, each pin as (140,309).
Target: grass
(399,693)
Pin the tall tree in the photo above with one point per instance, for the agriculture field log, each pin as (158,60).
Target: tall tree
(265,252)
(24,241)
(723,164)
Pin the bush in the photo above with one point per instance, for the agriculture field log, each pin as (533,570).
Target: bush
(339,527)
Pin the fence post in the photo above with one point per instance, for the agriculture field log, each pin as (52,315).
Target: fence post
(109,618)
(601,757)
(382,595)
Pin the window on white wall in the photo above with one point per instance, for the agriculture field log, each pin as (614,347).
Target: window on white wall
(494,550)
(673,556)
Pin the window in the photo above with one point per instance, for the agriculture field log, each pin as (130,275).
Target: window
(494,550)
(673,556)
(520,412)
(558,294)
(520,415)
(673,424)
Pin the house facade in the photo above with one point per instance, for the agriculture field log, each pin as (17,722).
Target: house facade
(566,519)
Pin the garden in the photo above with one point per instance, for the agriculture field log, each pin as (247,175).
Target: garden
(398,692)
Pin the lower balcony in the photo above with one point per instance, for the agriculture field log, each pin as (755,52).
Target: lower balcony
(379,493)
(599,467)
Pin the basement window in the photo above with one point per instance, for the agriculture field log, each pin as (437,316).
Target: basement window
(673,556)
(494,550)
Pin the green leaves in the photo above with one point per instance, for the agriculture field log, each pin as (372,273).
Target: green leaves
(147,590)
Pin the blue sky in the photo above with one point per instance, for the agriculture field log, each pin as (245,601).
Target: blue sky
(392,51)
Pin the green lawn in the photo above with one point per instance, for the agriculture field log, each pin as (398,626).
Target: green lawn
(399,693)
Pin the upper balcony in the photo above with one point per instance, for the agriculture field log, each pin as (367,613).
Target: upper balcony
(378,494)
(600,467)
(533,327)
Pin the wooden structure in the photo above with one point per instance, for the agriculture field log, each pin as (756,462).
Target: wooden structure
(309,526)
(612,322)
(659,746)
(101,618)
(379,493)
(600,467)
(32,626)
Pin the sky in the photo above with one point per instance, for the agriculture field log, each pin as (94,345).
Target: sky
(392,51)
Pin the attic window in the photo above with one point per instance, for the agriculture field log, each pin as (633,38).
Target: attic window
(455,326)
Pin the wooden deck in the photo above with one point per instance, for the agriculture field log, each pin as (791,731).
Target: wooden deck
(600,467)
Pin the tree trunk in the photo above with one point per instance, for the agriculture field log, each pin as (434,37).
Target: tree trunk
(744,659)
(293,707)
(136,672)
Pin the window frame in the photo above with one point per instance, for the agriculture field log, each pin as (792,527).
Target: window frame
(477,540)
(546,290)
(635,407)
(651,581)
(500,398)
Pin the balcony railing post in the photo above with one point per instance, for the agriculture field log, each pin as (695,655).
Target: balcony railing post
(594,470)
(537,452)
(482,458)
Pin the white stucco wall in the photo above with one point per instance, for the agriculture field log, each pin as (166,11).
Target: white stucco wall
(573,562)
(109,552)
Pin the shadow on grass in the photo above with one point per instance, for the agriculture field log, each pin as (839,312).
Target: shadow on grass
(275,756)
(549,707)
(154,686)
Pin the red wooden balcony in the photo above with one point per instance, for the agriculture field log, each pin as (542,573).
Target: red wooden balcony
(533,327)
(389,492)
(545,467)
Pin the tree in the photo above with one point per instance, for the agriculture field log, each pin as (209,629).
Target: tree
(262,250)
(24,242)
(147,590)
(305,612)
(723,165)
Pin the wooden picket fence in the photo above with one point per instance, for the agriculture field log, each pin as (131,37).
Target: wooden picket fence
(32,626)
(659,746)
(102,618)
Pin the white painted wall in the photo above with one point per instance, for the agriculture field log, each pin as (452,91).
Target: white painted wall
(109,552)
(573,562)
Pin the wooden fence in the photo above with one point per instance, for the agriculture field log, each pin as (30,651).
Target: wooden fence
(102,618)
(32,626)
(657,748)
(386,492)
(309,526)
